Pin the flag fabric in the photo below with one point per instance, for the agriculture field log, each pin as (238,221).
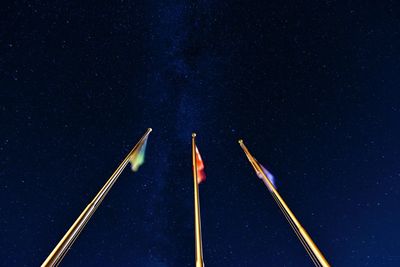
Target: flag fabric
(201,175)
(269,175)
(137,158)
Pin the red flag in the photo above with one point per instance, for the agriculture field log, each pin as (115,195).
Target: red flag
(201,176)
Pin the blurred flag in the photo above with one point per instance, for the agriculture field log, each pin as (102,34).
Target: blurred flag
(137,158)
(201,176)
(269,175)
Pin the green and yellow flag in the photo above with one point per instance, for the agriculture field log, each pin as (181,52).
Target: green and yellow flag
(137,157)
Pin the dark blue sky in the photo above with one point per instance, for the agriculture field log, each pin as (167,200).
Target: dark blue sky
(311,87)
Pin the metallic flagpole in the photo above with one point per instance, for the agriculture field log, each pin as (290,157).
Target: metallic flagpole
(66,242)
(197,219)
(316,255)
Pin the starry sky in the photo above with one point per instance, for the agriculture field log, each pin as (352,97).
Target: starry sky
(311,87)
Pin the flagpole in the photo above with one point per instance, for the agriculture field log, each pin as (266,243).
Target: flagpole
(66,242)
(311,248)
(197,218)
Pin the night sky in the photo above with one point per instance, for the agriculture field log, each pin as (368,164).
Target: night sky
(312,88)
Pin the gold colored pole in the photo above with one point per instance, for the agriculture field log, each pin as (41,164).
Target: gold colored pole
(197,218)
(66,242)
(316,254)
(302,241)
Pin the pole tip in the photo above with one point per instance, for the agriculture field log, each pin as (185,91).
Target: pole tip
(193,134)
(150,129)
(240,141)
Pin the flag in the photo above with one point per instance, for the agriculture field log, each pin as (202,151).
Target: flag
(269,175)
(201,176)
(137,158)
